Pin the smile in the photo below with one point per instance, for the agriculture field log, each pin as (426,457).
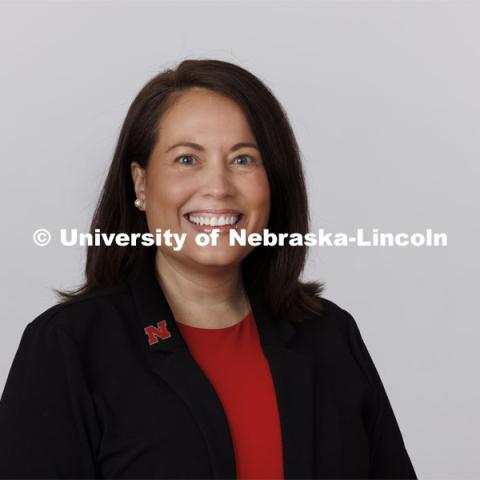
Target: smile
(213,220)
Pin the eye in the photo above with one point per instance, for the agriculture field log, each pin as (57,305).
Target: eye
(248,157)
(178,159)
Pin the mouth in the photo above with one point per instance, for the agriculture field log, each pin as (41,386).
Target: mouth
(222,219)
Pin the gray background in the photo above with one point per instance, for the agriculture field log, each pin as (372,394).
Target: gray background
(384,99)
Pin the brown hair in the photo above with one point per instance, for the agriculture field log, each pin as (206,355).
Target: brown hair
(275,269)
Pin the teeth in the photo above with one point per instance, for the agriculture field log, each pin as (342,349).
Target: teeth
(214,220)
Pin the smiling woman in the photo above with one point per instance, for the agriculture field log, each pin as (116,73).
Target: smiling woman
(207,361)
(200,140)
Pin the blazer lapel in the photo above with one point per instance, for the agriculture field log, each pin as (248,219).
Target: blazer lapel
(292,376)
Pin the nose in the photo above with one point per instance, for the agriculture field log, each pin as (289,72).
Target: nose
(217,181)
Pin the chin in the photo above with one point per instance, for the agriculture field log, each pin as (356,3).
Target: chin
(216,258)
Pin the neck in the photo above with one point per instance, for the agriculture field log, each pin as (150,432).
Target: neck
(202,297)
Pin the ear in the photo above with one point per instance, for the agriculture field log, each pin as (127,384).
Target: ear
(138,176)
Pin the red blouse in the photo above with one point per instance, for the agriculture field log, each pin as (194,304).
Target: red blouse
(233,360)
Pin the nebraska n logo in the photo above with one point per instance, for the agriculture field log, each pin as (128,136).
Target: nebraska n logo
(160,331)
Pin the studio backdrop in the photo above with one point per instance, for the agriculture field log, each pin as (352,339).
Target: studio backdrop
(384,101)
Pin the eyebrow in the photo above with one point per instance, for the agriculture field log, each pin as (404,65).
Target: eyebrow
(198,147)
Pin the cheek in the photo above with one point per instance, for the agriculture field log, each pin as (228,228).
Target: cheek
(165,197)
(257,193)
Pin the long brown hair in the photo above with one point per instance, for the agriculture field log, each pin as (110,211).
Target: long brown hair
(275,269)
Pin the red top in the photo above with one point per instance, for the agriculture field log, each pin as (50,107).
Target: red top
(232,358)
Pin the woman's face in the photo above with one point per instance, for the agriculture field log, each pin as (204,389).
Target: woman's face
(205,161)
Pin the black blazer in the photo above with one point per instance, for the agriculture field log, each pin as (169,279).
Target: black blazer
(105,386)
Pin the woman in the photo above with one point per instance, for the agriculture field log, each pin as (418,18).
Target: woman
(208,361)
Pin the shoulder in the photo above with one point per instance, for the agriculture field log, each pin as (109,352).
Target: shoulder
(332,331)
(332,318)
(334,341)
(77,317)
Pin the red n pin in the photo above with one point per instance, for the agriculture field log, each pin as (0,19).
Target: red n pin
(160,331)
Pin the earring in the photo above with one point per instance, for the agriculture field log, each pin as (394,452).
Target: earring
(138,203)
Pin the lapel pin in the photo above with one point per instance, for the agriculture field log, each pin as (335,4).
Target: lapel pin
(156,332)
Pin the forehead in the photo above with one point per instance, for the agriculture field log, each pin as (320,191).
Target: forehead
(202,114)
